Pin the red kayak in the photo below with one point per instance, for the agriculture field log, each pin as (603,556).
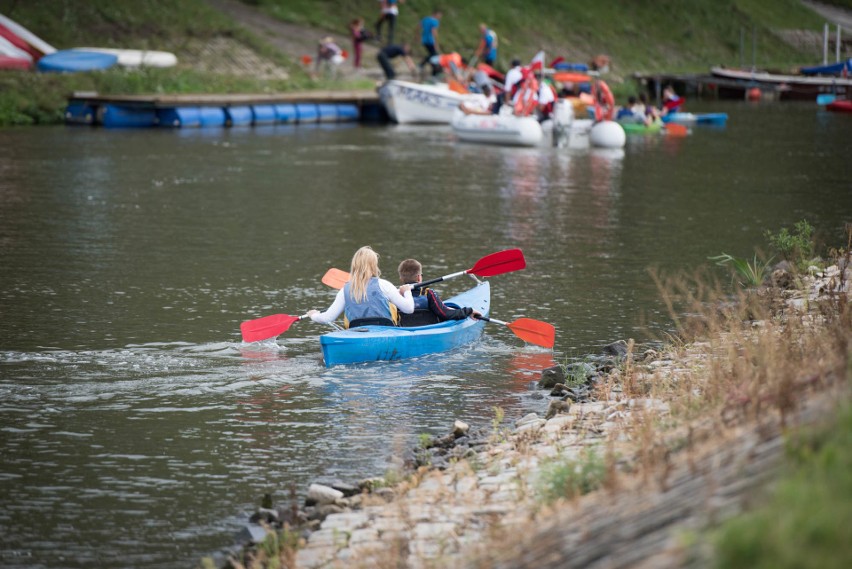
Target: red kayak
(842,106)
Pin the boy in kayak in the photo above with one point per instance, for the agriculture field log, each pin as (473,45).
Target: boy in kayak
(428,307)
(367,299)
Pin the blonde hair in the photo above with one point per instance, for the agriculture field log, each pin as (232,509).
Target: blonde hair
(365,265)
(408,270)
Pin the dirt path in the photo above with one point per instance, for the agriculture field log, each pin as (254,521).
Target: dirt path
(296,40)
(834,14)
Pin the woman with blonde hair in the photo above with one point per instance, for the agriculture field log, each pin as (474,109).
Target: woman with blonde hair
(367,299)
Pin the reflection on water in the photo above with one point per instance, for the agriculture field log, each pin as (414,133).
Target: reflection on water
(131,257)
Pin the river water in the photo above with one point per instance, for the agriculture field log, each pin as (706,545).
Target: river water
(136,430)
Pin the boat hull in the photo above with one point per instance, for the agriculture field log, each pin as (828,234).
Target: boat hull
(410,103)
(388,343)
(641,128)
(843,106)
(696,118)
(506,130)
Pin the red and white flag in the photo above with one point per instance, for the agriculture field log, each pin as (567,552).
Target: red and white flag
(537,63)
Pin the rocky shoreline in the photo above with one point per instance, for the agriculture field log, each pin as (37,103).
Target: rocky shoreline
(465,497)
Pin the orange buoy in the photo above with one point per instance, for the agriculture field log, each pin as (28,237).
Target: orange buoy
(754,94)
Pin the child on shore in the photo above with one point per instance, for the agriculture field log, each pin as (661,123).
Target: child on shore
(359,36)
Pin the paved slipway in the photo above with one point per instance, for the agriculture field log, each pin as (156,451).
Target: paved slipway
(833,15)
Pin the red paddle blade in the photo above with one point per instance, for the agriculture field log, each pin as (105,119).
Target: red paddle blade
(676,129)
(335,278)
(266,327)
(499,263)
(534,332)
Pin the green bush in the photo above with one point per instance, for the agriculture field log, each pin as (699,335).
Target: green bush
(797,246)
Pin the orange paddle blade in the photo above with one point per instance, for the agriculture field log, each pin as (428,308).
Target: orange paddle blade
(534,332)
(335,278)
(499,263)
(676,129)
(266,327)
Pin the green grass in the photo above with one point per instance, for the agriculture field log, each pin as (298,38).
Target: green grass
(667,35)
(807,522)
(670,35)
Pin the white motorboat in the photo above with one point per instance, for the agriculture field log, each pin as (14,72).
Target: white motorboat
(408,102)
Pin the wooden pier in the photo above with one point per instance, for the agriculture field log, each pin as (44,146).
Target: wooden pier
(699,85)
(182,110)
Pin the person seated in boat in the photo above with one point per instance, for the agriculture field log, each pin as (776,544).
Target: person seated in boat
(428,307)
(511,83)
(672,102)
(367,300)
(392,51)
(627,112)
(485,106)
(546,101)
(645,111)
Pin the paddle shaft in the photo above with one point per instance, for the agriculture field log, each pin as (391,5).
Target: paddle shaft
(494,320)
(439,279)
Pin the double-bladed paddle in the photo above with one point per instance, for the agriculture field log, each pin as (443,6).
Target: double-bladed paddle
(529,330)
(267,327)
(488,266)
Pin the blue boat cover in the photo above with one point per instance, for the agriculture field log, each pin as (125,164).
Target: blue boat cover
(565,66)
(839,68)
(70,61)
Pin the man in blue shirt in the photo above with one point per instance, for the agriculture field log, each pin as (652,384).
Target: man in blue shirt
(429,38)
(487,49)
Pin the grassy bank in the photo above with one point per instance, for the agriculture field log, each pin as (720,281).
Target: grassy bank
(671,35)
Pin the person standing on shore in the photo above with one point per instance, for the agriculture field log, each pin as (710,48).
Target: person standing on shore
(389,13)
(487,50)
(359,36)
(429,39)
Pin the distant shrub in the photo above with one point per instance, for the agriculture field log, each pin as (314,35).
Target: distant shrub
(797,246)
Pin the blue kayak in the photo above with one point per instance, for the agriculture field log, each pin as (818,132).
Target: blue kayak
(696,118)
(72,61)
(377,343)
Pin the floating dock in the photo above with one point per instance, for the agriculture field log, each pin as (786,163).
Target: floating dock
(701,86)
(188,111)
